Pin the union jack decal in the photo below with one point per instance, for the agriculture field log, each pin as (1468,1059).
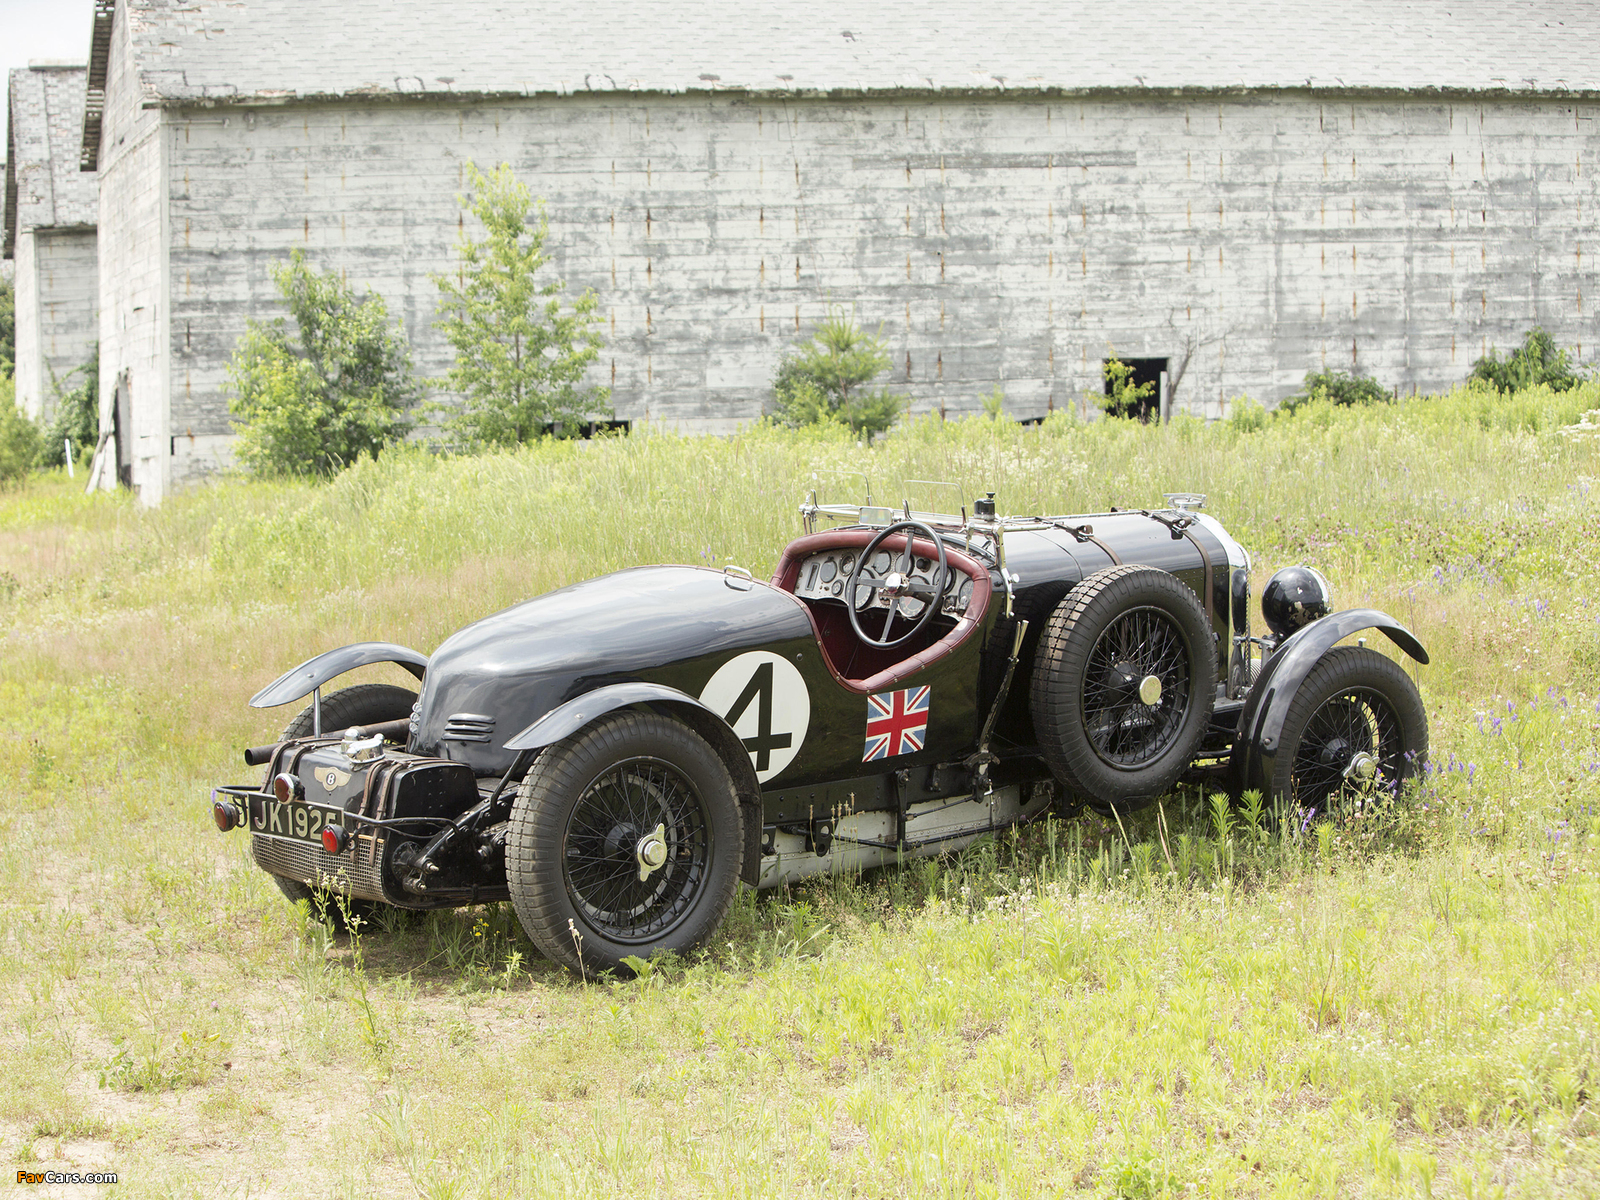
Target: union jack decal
(897,723)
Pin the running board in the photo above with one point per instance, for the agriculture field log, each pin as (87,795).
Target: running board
(864,840)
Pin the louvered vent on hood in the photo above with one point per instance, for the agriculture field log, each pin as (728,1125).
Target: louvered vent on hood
(468,727)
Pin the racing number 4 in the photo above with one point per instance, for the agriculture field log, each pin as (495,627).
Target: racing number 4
(764,742)
(763,698)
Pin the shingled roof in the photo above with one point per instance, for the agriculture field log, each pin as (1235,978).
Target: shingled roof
(44,121)
(266,51)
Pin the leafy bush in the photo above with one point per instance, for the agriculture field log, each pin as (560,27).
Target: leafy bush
(19,436)
(1339,388)
(8,327)
(1537,361)
(1125,399)
(823,380)
(520,360)
(1246,415)
(77,417)
(994,404)
(311,405)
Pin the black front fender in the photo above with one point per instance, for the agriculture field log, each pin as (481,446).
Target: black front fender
(314,672)
(1256,745)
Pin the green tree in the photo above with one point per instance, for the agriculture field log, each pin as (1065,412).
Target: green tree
(77,416)
(825,379)
(1338,387)
(1538,360)
(312,402)
(19,437)
(8,327)
(520,357)
(1123,398)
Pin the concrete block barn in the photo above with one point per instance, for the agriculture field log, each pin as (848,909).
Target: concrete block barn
(49,232)
(1235,193)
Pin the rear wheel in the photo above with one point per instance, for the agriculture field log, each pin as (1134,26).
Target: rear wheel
(625,841)
(1355,729)
(1123,685)
(363,704)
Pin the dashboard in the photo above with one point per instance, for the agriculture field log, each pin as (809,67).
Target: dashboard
(823,576)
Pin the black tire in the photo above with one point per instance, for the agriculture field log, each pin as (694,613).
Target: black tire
(1354,701)
(363,704)
(1116,628)
(572,857)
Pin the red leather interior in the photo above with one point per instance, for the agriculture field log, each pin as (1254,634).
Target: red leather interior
(868,669)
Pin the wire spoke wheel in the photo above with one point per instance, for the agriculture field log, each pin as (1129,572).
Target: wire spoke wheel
(1356,729)
(626,840)
(1351,746)
(601,850)
(1136,647)
(1123,685)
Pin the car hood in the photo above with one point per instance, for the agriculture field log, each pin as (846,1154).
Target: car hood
(673,624)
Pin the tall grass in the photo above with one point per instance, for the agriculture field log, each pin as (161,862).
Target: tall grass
(1198,1001)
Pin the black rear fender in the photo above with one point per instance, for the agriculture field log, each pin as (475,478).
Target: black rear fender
(1260,730)
(301,681)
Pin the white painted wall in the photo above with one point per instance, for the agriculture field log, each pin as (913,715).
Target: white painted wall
(29,367)
(59,313)
(996,240)
(133,272)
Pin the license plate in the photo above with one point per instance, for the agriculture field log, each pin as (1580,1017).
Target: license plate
(303,822)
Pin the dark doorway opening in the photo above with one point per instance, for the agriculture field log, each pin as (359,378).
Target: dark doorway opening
(1144,371)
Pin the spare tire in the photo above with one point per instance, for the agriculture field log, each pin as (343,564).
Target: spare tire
(1123,685)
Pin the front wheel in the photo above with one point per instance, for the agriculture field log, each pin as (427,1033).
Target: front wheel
(1356,728)
(625,840)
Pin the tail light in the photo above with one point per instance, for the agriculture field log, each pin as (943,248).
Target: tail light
(335,838)
(225,813)
(288,788)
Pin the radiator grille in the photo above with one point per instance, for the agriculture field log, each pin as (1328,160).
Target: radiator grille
(351,872)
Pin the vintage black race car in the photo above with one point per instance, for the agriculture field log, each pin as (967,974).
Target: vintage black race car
(614,757)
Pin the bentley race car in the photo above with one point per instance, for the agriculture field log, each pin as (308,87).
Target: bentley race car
(615,756)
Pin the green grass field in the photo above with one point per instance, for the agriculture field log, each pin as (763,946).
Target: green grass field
(1403,1004)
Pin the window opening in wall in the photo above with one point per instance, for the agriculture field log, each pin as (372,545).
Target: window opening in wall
(1143,371)
(589,429)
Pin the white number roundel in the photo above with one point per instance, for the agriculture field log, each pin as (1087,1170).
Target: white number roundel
(763,696)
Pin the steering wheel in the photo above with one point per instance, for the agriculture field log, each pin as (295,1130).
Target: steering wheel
(898,585)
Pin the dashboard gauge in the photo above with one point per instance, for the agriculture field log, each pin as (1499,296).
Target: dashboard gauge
(847,564)
(838,586)
(830,570)
(881,562)
(965,598)
(922,565)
